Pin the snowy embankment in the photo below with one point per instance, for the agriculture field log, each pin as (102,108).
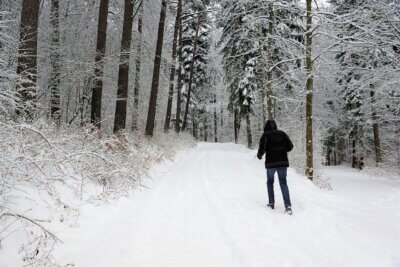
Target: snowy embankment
(207,209)
(49,175)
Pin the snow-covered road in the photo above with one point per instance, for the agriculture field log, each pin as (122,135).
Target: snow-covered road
(207,209)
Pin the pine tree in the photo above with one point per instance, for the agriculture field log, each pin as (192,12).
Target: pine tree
(283,38)
(355,63)
(195,50)
(240,52)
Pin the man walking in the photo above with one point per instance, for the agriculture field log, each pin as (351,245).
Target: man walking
(275,144)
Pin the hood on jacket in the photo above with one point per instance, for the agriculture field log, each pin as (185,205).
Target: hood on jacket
(270,125)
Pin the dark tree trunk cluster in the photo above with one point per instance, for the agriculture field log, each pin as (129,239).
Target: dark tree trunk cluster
(173,67)
(191,72)
(151,115)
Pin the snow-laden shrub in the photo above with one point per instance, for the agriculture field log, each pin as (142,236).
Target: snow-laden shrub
(64,168)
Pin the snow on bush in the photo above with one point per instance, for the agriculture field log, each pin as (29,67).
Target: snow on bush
(47,173)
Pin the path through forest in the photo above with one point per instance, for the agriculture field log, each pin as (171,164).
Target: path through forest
(207,209)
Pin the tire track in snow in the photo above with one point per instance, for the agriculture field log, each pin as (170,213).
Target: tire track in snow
(207,210)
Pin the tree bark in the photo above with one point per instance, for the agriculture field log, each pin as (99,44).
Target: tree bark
(375,126)
(1,29)
(397,131)
(309,94)
(215,120)
(248,129)
(354,163)
(195,124)
(55,57)
(191,72)
(263,105)
(27,58)
(205,128)
(136,89)
(97,92)
(151,116)
(222,116)
(123,75)
(235,125)
(173,67)
(270,106)
(179,85)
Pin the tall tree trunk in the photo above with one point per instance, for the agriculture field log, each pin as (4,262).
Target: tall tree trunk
(55,57)
(173,67)
(194,124)
(191,71)
(269,70)
(375,126)
(360,157)
(180,83)
(357,157)
(397,131)
(215,120)
(151,116)
(236,125)
(1,28)
(267,92)
(309,94)
(97,93)
(136,89)
(27,58)
(354,154)
(205,129)
(263,105)
(123,74)
(222,116)
(248,129)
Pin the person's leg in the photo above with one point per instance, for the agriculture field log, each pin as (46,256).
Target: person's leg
(270,185)
(282,173)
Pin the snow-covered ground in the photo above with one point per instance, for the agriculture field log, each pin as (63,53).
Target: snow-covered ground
(207,209)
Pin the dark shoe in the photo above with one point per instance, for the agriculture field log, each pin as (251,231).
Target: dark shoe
(271,205)
(288,210)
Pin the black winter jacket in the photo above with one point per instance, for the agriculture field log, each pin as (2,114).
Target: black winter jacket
(275,144)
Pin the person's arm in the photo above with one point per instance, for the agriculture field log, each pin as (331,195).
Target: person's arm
(289,144)
(261,147)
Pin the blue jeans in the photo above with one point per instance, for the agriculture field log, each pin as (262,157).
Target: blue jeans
(282,172)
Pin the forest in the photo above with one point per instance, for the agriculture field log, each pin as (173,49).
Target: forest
(93,93)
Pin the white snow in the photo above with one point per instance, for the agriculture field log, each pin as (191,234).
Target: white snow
(207,209)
